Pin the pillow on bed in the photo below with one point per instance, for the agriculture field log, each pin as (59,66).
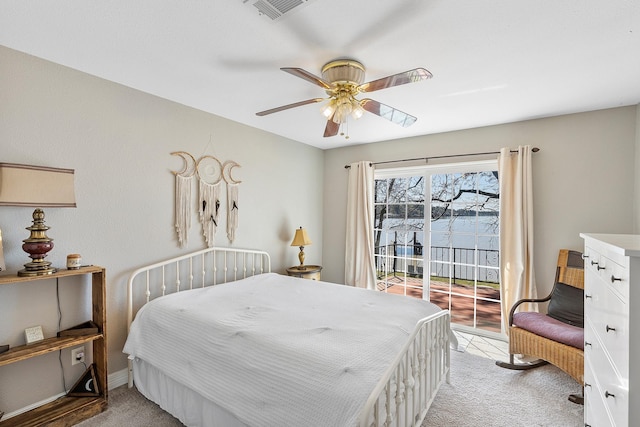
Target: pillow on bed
(567,305)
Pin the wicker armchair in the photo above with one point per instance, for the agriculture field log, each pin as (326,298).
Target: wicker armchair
(558,336)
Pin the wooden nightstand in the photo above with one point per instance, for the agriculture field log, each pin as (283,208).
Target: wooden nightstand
(306,272)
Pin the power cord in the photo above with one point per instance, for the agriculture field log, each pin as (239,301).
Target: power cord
(64,384)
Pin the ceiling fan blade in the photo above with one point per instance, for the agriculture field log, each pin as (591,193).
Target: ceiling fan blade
(332,128)
(411,76)
(396,116)
(304,74)
(288,106)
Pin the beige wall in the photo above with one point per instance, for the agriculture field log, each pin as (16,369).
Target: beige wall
(119,141)
(583,178)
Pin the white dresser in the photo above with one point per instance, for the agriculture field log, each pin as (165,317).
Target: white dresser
(612,329)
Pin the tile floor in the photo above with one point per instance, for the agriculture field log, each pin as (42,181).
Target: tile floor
(483,346)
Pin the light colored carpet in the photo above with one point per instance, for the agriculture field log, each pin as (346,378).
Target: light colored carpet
(480,394)
(483,394)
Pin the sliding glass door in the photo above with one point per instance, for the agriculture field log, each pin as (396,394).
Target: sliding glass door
(441,223)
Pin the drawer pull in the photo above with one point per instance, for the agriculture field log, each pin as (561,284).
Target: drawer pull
(585,256)
(587,343)
(594,262)
(608,395)
(600,268)
(587,296)
(587,385)
(587,425)
(609,328)
(615,279)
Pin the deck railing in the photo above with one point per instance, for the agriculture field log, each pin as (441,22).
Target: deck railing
(457,263)
(465,281)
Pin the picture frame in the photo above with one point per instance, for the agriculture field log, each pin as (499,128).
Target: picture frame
(33,334)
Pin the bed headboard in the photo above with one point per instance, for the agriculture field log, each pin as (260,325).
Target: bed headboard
(206,267)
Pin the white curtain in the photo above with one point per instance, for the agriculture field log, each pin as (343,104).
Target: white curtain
(359,260)
(516,229)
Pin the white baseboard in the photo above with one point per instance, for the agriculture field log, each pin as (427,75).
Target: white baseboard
(115,380)
(118,378)
(32,406)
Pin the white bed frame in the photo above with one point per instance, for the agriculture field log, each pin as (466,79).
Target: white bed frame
(402,396)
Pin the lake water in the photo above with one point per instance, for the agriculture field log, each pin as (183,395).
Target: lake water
(461,240)
(460,232)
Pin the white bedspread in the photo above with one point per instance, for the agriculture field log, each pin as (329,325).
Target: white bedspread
(275,350)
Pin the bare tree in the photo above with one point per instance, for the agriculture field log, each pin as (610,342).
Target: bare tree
(447,189)
(452,195)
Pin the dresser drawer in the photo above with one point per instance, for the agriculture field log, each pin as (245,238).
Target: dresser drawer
(615,276)
(598,356)
(612,270)
(608,317)
(608,385)
(595,410)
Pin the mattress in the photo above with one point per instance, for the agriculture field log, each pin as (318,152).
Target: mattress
(277,350)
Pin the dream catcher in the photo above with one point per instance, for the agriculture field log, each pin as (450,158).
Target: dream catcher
(232,198)
(183,185)
(210,174)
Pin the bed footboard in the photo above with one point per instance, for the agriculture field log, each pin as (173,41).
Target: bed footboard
(199,269)
(406,391)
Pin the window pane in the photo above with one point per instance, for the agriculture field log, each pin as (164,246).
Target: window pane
(380,191)
(462,310)
(488,276)
(416,212)
(396,212)
(488,181)
(398,190)
(491,205)
(488,316)
(439,211)
(440,239)
(415,190)
(380,214)
(441,188)
(488,258)
(463,242)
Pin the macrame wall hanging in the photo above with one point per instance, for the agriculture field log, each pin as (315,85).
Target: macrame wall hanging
(183,185)
(232,199)
(211,173)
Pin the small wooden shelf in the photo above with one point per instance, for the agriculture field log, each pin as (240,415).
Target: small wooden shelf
(66,411)
(11,279)
(45,346)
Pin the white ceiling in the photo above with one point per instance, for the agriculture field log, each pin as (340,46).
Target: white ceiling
(494,61)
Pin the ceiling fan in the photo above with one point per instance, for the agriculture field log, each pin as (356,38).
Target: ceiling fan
(342,80)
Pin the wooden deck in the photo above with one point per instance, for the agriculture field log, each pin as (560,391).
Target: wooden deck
(487,312)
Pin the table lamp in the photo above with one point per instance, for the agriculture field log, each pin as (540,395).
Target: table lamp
(301,239)
(40,187)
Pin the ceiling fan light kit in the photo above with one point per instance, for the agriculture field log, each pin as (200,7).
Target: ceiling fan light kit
(344,71)
(342,80)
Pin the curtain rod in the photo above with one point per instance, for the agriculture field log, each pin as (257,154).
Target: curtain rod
(426,159)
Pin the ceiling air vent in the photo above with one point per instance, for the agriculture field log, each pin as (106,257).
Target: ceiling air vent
(275,9)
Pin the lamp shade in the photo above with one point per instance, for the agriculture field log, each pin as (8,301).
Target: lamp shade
(36,186)
(301,238)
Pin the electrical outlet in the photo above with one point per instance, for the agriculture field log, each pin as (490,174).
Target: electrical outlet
(77,356)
